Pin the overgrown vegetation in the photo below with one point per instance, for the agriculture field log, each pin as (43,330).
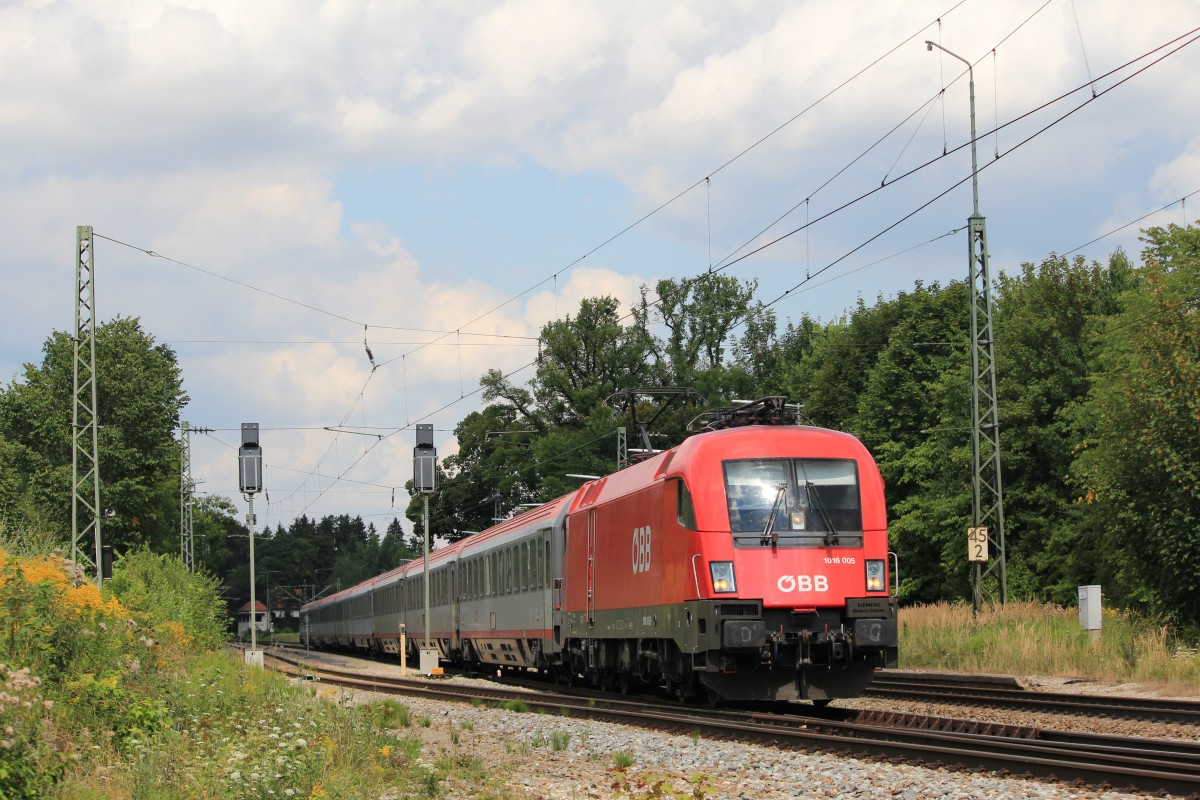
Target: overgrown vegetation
(127,693)
(1026,638)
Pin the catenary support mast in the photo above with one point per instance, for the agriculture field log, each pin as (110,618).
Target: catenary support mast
(85,439)
(989,578)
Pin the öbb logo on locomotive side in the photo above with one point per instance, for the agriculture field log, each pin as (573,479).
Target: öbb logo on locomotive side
(641,549)
(803,583)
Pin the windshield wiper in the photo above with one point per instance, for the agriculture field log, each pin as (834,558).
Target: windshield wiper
(814,501)
(769,535)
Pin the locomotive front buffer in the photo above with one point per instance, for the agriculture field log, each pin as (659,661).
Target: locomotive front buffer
(801,653)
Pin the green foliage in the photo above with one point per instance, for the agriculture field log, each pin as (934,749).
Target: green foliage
(104,704)
(1138,465)
(699,315)
(49,629)
(160,590)
(1027,638)
(653,785)
(51,626)
(1048,315)
(31,763)
(519,706)
(139,397)
(387,714)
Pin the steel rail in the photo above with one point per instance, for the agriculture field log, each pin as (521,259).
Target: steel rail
(1142,765)
(1136,708)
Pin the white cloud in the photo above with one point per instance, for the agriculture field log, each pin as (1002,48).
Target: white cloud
(218,134)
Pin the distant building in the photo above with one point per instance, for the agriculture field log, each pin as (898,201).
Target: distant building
(286,602)
(262,618)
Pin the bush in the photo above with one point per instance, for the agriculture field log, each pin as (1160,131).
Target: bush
(51,623)
(181,607)
(29,763)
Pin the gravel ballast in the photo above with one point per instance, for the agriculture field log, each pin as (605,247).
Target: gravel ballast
(560,758)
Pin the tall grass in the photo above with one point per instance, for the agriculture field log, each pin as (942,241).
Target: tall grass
(1026,638)
(127,694)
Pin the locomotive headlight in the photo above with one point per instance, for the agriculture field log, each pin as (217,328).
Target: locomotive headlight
(875,574)
(723,581)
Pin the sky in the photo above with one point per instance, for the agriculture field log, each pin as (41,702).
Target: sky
(278,187)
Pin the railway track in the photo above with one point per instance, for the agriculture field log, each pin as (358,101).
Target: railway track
(1137,764)
(1005,693)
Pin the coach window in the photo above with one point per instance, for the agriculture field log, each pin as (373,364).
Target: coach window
(525,578)
(518,569)
(687,511)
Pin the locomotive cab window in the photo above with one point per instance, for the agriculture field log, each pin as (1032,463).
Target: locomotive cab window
(686,511)
(796,502)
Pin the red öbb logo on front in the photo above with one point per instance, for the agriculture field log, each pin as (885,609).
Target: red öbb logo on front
(803,583)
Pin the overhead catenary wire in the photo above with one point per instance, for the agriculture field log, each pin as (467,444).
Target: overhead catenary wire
(1035,134)
(745,151)
(555,278)
(915,210)
(1120,228)
(645,217)
(946,152)
(1095,96)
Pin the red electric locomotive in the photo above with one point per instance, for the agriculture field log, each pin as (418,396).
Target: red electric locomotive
(748,563)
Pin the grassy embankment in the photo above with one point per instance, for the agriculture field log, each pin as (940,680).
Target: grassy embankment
(1026,638)
(129,694)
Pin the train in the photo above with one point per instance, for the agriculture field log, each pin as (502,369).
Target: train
(749,563)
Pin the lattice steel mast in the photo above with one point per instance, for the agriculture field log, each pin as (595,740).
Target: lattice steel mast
(186,486)
(85,440)
(990,578)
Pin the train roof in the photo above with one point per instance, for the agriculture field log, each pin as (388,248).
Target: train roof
(541,516)
(749,441)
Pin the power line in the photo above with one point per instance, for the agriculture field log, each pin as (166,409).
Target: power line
(706,178)
(531,341)
(360,399)
(1134,222)
(217,275)
(902,219)
(1019,144)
